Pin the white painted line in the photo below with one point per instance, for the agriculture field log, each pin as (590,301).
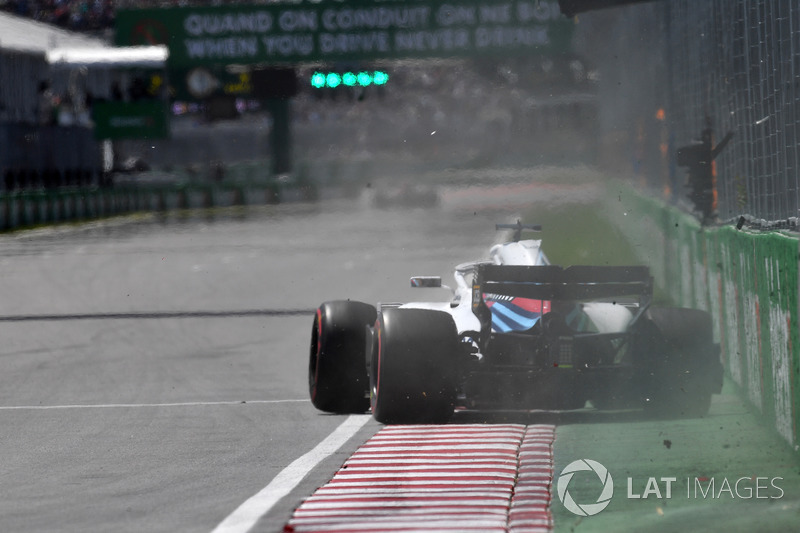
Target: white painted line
(137,405)
(250,512)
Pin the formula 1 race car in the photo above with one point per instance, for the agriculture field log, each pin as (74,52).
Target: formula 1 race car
(518,333)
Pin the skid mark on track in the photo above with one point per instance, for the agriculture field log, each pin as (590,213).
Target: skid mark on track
(138,405)
(159,315)
(488,478)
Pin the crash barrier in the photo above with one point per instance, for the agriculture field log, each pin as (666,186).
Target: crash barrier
(40,202)
(34,208)
(48,156)
(748,281)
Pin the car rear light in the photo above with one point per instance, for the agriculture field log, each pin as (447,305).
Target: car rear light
(562,352)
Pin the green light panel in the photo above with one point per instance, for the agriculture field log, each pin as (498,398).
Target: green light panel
(321,80)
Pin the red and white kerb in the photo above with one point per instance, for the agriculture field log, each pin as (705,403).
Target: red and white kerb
(487,478)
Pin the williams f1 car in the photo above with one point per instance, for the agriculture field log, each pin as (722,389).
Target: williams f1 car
(518,333)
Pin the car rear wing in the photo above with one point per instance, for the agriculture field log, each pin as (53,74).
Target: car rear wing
(550,282)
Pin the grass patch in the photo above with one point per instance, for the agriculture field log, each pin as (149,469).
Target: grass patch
(580,234)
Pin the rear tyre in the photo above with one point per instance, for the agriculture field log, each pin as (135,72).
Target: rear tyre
(682,369)
(412,374)
(337,374)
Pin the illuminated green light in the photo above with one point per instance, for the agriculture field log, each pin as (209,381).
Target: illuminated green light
(321,80)
(318,80)
(333,80)
(364,79)
(380,78)
(349,79)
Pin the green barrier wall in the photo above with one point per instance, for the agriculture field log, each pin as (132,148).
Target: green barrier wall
(34,208)
(747,280)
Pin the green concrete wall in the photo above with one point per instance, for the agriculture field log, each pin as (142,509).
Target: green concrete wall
(747,280)
(27,209)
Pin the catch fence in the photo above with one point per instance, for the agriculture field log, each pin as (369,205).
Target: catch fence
(669,68)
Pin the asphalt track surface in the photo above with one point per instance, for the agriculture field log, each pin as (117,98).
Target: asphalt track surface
(153,372)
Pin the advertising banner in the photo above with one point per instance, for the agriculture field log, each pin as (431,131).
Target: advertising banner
(130,120)
(351,31)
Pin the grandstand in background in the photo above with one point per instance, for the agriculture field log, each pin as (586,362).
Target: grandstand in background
(452,112)
(45,144)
